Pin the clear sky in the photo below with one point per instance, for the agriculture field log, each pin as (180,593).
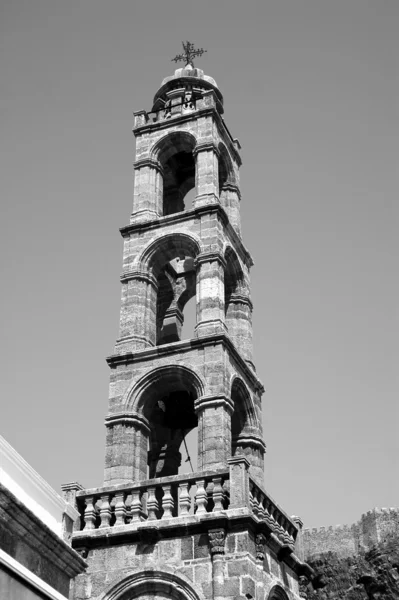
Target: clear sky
(311,90)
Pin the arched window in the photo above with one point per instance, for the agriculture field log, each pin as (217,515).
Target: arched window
(167,404)
(170,259)
(175,155)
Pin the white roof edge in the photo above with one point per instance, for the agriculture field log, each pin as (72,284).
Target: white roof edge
(44,588)
(34,478)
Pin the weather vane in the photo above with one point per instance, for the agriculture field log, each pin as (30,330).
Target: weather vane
(189,54)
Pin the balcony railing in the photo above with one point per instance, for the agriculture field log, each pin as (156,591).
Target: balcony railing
(266,510)
(186,496)
(156,499)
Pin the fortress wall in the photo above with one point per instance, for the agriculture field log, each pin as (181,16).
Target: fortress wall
(340,539)
(348,540)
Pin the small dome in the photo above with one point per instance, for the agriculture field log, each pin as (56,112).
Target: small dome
(189,71)
(187,76)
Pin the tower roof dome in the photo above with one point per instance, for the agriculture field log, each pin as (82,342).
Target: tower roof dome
(188,76)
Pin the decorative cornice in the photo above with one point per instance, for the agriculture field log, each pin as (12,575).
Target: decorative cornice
(250,440)
(141,275)
(183,118)
(185,346)
(205,402)
(232,187)
(237,298)
(205,257)
(187,215)
(148,162)
(128,418)
(206,147)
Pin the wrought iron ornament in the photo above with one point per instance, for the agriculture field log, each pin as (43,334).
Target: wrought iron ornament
(188,54)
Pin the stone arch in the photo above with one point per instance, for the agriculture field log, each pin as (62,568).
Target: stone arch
(226,169)
(277,593)
(151,582)
(170,258)
(174,152)
(165,399)
(234,279)
(171,375)
(243,420)
(164,248)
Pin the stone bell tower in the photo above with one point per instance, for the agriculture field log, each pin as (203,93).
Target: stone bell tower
(150,531)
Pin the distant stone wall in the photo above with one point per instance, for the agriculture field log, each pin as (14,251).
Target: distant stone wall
(348,540)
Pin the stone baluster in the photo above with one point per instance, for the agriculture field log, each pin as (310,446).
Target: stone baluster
(184,498)
(136,507)
(201,497)
(261,507)
(218,494)
(90,513)
(120,508)
(255,501)
(152,504)
(105,511)
(167,502)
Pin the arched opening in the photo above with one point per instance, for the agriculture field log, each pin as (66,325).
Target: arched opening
(178,166)
(243,415)
(151,584)
(277,593)
(233,283)
(226,171)
(167,403)
(176,287)
(170,259)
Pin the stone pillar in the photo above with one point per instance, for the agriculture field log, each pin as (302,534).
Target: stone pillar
(214,431)
(210,294)
(138,311)
(216,539)
(148,190)
(239,325)
(206,174)
(299,547)
(126,450)
(69,491)
(230,200)
(253,448)
(239,482)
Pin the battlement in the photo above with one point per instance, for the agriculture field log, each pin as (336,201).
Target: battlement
(348,540)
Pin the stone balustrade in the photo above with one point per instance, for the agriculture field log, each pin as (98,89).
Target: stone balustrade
(153,499)
(276,519)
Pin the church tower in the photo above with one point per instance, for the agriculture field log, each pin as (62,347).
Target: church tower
(149,531)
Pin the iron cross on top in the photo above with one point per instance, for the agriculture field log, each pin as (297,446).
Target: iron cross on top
(189,53)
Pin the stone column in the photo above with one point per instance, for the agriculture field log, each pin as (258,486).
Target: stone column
(148,190)
(214,431)
(206,174)
(216,544)
(230,200)
(138,311)
(210,294)
(239,325)
(252,447)
(126,450)
(299,548)
(239,482)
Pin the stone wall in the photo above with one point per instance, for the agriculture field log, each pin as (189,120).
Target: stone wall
(208,563)
(348,540)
